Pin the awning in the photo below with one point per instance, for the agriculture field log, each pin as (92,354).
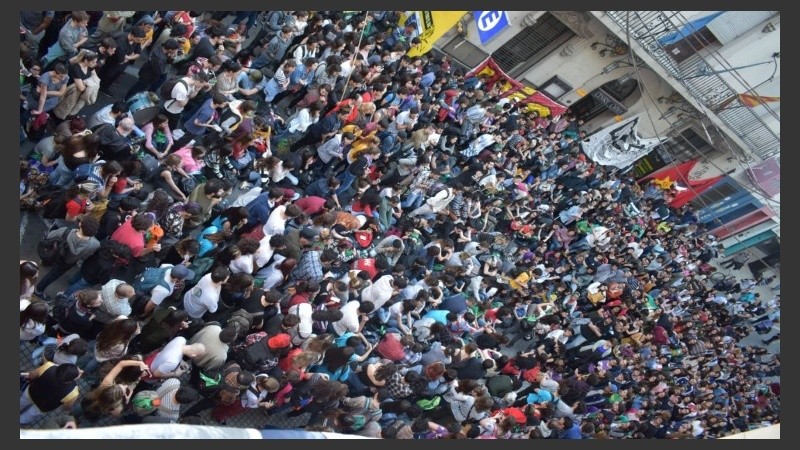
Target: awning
(693,26)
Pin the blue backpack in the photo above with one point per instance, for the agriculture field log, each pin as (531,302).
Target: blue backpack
(89,173)
(150,278)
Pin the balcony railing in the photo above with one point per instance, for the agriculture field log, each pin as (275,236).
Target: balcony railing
(646,27)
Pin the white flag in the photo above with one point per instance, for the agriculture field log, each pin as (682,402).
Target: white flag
(617,145)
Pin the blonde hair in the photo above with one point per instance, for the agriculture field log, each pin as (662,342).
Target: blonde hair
(305,359)
(367,108)
(271,384)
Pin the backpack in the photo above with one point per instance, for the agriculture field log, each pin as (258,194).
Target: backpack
(320,326)
(145,402)
(150,166)
(52,250)
(243,321)
(36,127)
(153,235)
(61,305)
(187,184)
(54,206)
(150,278)
(254,355)
(89,173)
(200,266)
(281,17)
(390,348)
(107,262)
(165,91)
(227,391)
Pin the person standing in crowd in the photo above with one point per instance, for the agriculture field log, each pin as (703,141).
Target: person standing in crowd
(128,50)
(78,244)
(536,293)
(154,71)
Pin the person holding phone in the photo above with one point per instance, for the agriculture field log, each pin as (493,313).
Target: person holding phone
(206,118)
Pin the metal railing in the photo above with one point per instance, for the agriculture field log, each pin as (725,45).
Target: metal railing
(711,90)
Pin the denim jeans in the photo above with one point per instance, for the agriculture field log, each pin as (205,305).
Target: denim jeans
(61,176)
(77,285)
(244,161)
(28,411)
(413,200)
(347,179)
(54,274)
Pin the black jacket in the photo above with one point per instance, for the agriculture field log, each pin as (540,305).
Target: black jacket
(155,66)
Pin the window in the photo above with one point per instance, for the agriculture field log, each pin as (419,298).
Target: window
(687,145)
(690,45)
(555,87)
(608,97)
(732,24)
(531,45)
(465,52)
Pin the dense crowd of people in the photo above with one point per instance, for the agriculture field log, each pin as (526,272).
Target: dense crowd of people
(412,255)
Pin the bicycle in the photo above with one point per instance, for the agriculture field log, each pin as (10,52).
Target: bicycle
(722,281)
(716,277)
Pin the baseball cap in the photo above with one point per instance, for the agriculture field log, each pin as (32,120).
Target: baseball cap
(181,272)
(518,415)
(363,238)
(146,20)
(308,233)
(192,208)
(279,341)
(138,32)
(172,44)
(178,30)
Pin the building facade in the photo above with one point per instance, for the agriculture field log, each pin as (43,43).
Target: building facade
(706,83)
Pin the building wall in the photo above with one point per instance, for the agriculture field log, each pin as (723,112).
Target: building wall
(585,69)
(753,47)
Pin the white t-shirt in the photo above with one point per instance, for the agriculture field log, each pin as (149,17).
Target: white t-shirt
(303,330)
(404,118)
(349,321)
(201,298)
(180,93)
(242,264)
(637,249)
(159,293)
(169,357)
(396,309)
(30,329)
(264,252)
(379,292)
(252,398)
(276,224)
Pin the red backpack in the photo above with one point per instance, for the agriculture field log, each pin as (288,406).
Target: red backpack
(390,348)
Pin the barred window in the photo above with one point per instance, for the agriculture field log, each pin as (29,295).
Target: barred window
(531,45)
(465,52)
(682,148)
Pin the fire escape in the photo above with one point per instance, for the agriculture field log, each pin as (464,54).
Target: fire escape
(646,28)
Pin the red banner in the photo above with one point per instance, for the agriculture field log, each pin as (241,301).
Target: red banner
(534,100)
(679,175)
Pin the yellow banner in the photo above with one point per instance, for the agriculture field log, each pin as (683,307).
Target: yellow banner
(431,26)
(533,100)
